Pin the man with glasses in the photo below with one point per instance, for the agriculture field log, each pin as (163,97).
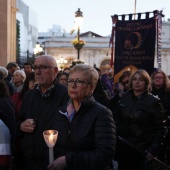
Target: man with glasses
(63,78)
(37,111)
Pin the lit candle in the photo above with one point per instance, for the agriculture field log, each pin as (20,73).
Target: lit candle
(51,143)
(50,137)
(51,156)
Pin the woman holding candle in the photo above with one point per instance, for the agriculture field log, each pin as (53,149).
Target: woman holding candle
(86,129)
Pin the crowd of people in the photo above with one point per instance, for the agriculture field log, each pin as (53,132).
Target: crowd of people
(99,122)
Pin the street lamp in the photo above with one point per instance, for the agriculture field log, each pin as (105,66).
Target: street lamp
(78,23)
(62,62)
(38,50)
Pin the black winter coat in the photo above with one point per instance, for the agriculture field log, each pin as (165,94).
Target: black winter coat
(42,110)
(165,98)
(7,115)
(88,142)
(141,121)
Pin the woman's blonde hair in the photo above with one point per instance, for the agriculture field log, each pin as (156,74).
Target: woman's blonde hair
(91,73)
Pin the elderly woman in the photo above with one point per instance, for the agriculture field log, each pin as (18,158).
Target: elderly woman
(140,124)
(5,74)
(86,129)
(18,79)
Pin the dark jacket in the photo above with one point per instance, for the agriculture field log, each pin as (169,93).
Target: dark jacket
(100,95)
(88,142)
(7,115)
(164,98)
(41,109)
(141,121)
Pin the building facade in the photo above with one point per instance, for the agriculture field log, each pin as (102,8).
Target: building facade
(7,31)
(166,47)
(96,51)
(28,30)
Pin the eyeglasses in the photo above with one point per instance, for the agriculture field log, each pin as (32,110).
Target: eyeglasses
(124,83)
(42,67)
(77,82)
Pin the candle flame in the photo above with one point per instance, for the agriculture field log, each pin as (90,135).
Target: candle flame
(51,139)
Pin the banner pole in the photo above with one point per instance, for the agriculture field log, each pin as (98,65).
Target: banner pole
(135,11)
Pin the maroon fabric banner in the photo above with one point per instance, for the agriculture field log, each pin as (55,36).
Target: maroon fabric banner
(135,44)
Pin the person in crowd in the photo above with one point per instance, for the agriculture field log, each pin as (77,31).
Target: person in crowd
(66,70)
(37,111)
(16,99)
(28,66)
(63,78)
(5,74)
(99,94)
(5,151)
(18,79)
(87,133)
(140,125)
(161,89)
(11,67)
(108,86)
(122,87)
(124,82)
(111,77)
(7,113)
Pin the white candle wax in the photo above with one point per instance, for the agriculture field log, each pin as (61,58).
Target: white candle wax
(51,156)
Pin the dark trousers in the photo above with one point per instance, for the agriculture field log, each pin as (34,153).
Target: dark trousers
(129,159)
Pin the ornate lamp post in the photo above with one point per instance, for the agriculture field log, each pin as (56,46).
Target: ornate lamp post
(78,23)
(38,50)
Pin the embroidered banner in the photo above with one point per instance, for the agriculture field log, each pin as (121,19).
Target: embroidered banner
(135,44)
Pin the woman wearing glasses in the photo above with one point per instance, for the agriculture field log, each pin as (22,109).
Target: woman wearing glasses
(161,89)
(86,128)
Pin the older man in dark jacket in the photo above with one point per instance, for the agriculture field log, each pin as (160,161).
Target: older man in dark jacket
(37,111)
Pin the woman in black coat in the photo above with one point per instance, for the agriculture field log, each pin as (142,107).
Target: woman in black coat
(140,124)
(86,129)
(7,115)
